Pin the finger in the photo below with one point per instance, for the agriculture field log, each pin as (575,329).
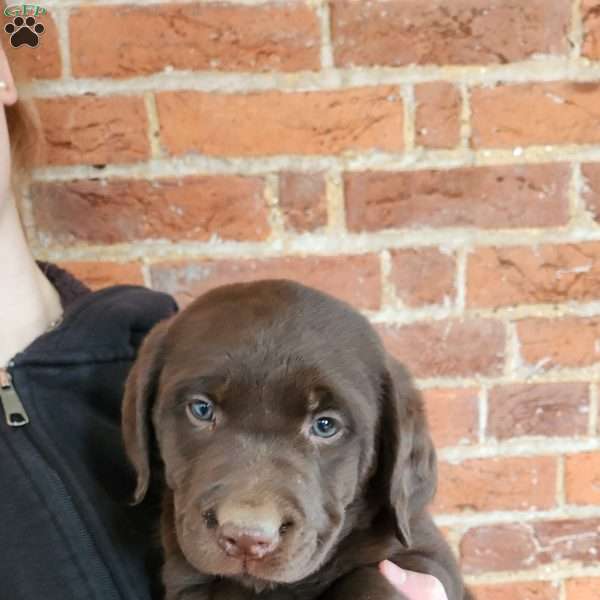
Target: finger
(394,574)
(417,586)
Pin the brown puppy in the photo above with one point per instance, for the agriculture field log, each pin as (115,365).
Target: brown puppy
(294,450)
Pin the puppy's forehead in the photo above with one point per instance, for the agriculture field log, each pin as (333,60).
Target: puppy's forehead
(277,313)
(277,333)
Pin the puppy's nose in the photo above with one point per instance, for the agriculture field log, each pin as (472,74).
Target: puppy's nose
(239,541)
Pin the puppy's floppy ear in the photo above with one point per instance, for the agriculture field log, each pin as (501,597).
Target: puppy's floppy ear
(407,452)
(140,391)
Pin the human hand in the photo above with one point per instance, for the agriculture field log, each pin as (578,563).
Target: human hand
(416,586)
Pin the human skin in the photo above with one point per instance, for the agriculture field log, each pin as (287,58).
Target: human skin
(29,304)
(414,586)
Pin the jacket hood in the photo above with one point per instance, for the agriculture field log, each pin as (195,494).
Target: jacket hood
(68,287)
(108,324)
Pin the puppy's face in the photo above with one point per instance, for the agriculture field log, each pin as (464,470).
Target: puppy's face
(266,403)
(264,451)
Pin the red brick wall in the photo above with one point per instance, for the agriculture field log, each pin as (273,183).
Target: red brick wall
(436,163)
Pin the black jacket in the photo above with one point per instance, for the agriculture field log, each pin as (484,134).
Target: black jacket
(66,530)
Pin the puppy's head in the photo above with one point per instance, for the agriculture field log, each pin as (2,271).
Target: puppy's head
(276,413)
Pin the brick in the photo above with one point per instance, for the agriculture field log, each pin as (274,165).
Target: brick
(584,588)
(42,62)
(591,192)
(504,547)
(149,39)
(529,545)
(99,275)
(486,197)
(437,115)
(94,130)
(118,211)
(549,409)
(355,279)
(269,123)
(303,201)
(497,484)
(566,342)
(453,415)
(450,348)
(530,590)
(533,275)
(590,10)
(403,32)
(423,276)
(565,113)
(576,540)
(582,472)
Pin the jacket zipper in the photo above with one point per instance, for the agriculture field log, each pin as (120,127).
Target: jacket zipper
(16,416)
(14,411)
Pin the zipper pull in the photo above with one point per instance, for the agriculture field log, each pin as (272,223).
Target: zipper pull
(14,411)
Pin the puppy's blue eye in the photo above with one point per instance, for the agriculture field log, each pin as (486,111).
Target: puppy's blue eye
(325,427)
(202,409)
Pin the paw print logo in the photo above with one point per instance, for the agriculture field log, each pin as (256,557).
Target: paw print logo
(24,31)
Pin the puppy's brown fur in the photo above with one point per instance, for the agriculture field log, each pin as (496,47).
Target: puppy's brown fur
(272,356)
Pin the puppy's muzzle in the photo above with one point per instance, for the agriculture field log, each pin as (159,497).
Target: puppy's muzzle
(250,531)
(241,541)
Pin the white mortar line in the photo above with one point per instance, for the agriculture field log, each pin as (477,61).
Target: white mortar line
(526,447)
(583,375)
(483,406)
(324,16)
(507,315)
(417,160)
(575,200)
(532,71)
(146,274)
(460,281)
(153,126)
(465,116)
(453,540)
(388,289)
(409,121)
(276,221)
(476,381)
(484,519)
(348,245)
(336,209)
(61,17)
(587,217)
(576,32)
(562,591)
(513,360)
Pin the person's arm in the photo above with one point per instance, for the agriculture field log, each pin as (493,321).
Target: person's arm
(416,586)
